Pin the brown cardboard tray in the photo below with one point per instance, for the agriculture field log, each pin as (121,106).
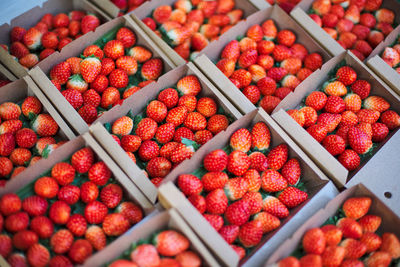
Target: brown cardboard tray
(319,189)
(40,72)
(211,54)
(136,105)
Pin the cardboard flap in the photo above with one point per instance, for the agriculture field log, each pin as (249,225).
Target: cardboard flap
(6,74)
(171,197)
(319,35)
(124,161)
(388,74)
(12,65)
(260,4)
(109,8)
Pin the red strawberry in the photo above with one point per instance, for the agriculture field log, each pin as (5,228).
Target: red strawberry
(215,161)
(145,254)
(176,115)
(379,258)
(69,193)
(277,157)
(371,240)
(354,249)
(376,103)
(90,68)
(349,159)
(80,250)
(314,241)
(216,202)
(238,163)
(316,100)
(42,226)
(140,54)
(24,239)
(235,188)
(170,243)
(5,245)
(162,14)
(198,202)
(96,237)
(229,233)
(61,72)
(111,195)
(95,212)
(214,180)
(46,187)
(29,60)
(333,235)
(166,132)
(272,181)
(189,101)
(158,167)
(60,260)
(148,150)
(59,212)
(359,140)
(269,103)
(292,197)
(217,123)
(356,207)
(38,255)
(77,224)
(63,172)
(169,97)
(181,153)
(99,173)
(82,160)
(241,140)
(114,49)
(152,69)
(32,38)
(291,171)
(18,49)
(329,121)
(350,228)
(181,133)
(250,233)
(17,33)
(195,121)
(126,36)
(334,144)
(313,61)
(16,222)
(238,213)
(333,255)
(61,241)
(391,119)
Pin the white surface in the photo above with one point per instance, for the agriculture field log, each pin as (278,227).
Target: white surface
(10,9)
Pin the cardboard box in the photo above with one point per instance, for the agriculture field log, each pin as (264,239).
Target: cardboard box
(385,163)
(299,13)
(5,74)
(137,104)
(390,220)
(380,67)
(145,10)
(156,222)
(31,17)
(319,189)
(40,73)
(328,163)
(211,54)
(22,88)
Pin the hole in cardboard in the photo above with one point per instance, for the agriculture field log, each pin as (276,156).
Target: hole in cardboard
(388,194)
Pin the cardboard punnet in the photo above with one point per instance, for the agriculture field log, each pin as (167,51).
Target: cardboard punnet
(320,191)
(381,174)
(380,67)
(22,88)
(137,104)
(299,13)
(40,72)
(145,10)
(5,74)
(211,54)
(328,163)
(161,221)
(31,17)
(390,221)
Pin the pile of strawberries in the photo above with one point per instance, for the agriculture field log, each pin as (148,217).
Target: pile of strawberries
(190,25)
(51,33)
(391,55)
(105,74)
(172,129)
(127,6)
(26,135)
(267,64)
(167,248)
(344,117)
(76,209)
(357,25)
(245,192)
(348,239)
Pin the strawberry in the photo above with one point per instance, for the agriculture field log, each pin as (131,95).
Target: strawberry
(90,67)
(214,180)
(10,111)
(267,86)
(180,133)
(370,223)
(50,40)
(114,49)
(145,255)
(198,202)
(146,128)
(74,63)
(272,181)
(181,153)
(74,97)
(310,116)
(61,241)
(371,240)
(333,235)
(336,105)
(76,82)
(63,172)
(238,213)
(359,141)
(356,207)
(95,212)
(107,66)
(353,102)
(229,233)
(202,137)
(329,121)
(170,243)
(242,76)
(140,54)
(111,195)
(238,163)
(38,255)
(216,202)
(354,249)
(391,245)
(349,159)
(257,72)
(378,258)
(61,72)
(82,160)
(314,241)
(42,226)
(110,97)
(292,197)
(241,140)
(316,100)
(215,161)
(5,245)
(169,97)
(59,212)
(336,88)
(88,113)
(189,101)
(206,106)
(277,157)
(25,138)
(313,61)
(130,91)
(29,60)
(148,150)
(10,126)
(334,144)
(18,49)
(269,103)
(391,56)
(291,261)
(119,77)
(46,187)
(165,133)
(122,126)
(77,224)
(45,53)
(131,211)
(350,228)
(16,222)
(32,39)
(158,167)
(217,123)
(252,93)
(297,116)
(96,237)
(291,171)
(127,64)
(333,255)
(152,69)
(235,188)
(265,61)
(24,239)
(17,33)
(376,103)
(162,14)
(35,205)
(250,233)
(126,36)
(195,121)
(80,250)
(99,173)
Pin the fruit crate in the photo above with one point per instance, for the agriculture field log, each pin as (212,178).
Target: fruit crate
(330,213)
(317,81)
(103,173)
(17,92)
(6,76)
(380,67)
(248,7)
(103,34)
(145,233)
(299,13)
(211,54)
(318,188)
(31,17)
(137,106)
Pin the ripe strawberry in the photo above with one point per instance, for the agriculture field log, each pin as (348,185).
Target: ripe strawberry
(99,173)
(349,159)
(69,193)
(350,228)
(334,144)
(32,39)
(140,54)
(238,163)
(333,255)
(242,76)
(272,181)
(114,49)
(359,141)
(329,121)
(170,243)
(189,101)
(145,255)
(169,97)
(313,61)
(5,245)
(378,258)
(391,245)
(216,202)
(24,239)
(238,212)
(176,115)
(217,123)
(316,100)
(77,224)
(126,36)
(29,60)
(292,197)
(111,195)
(333,235)
(195,121)
(181,133)
(356,207)
(235,188)
(148,150)
(181,153)
(88,113)
(90,67)
(17,33)
(59,212)
(16,222)
(61,72)
(250,233)
(43,226)
(110,97)
(18,49)
(214,180)
(198,202)
(80,250)
(277,157)
(89,192)
(202,137)
(63,172)
(269,29)
(152,69)
(336,88)
(60,260)
(46,187)
(267,86)
(314,241)
(216,221)
(354,249)
(61,241)
(95,212)
(371,240)
(82,160)
(370,223)
(38,255)
(96,237)
(122,126)
(241,140)
(215,161)
(391,119)
(376,103)
(229,233)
